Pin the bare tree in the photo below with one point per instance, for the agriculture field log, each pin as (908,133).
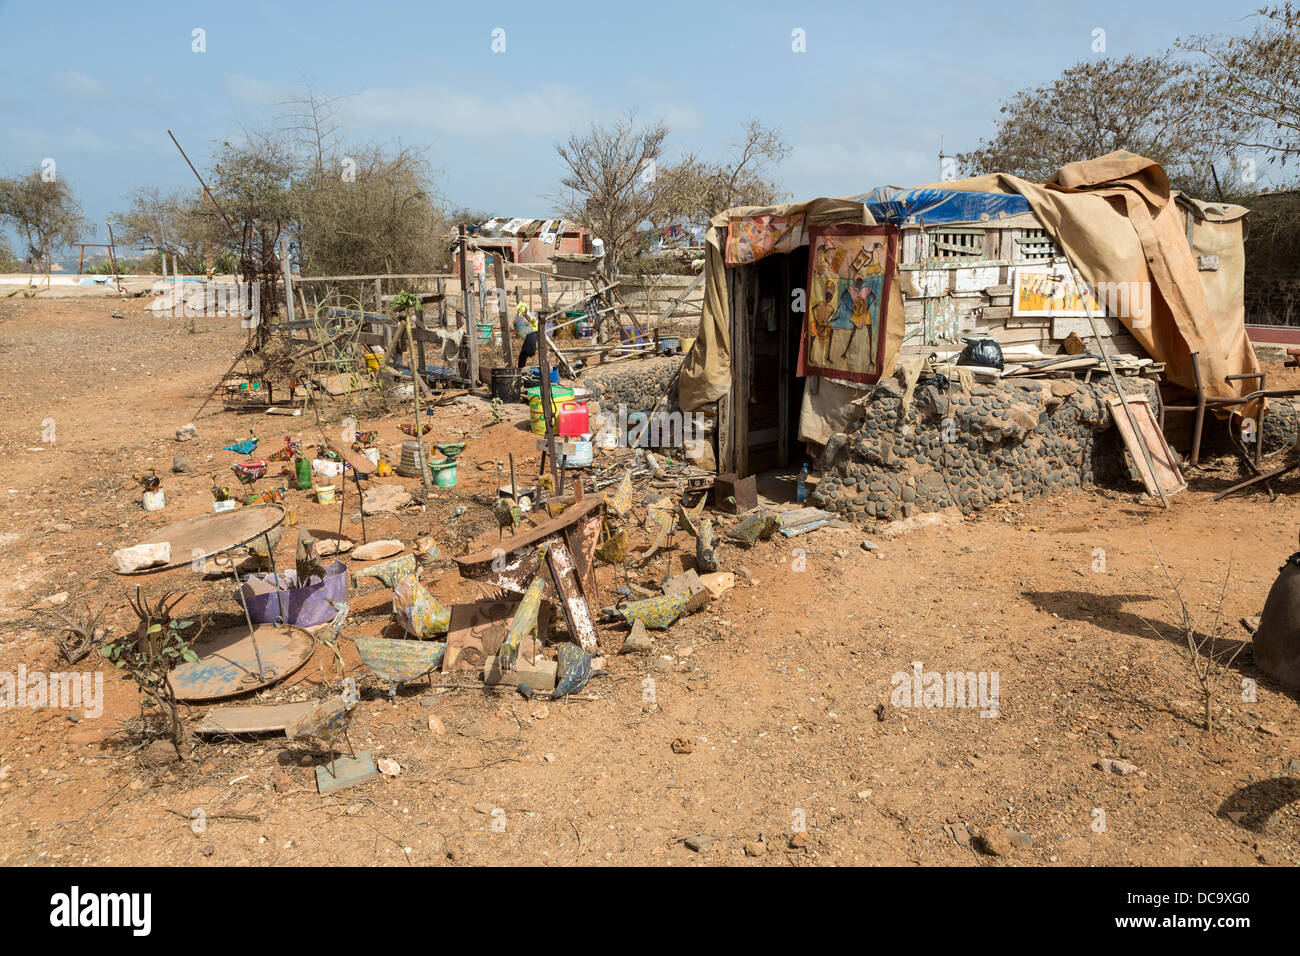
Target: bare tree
(615,181)
(44,212)
(1154,106)
(1254,84)
(705,189)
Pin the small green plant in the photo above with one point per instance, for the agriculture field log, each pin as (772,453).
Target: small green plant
(147,656)
(404,300)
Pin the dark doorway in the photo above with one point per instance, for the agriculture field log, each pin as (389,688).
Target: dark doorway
(775,387)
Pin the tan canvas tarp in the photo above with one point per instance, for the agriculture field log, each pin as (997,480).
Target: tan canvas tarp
(1116,220)
(706,373)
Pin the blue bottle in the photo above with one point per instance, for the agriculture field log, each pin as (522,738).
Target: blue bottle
(801,494)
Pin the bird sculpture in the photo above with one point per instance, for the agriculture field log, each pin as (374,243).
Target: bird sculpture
(308,561)
(508,515)
(618,500)
(387,572)
(409,429)
(261,547)
(289,452)
(572,670)
(328,634)
(706,555)
(525,618)
(417,610)
(149,480)
(327,722)
(219,492)
(661,519)
(656,613)
(756,526)
(613,550)
(245,447)
(688,518)
(398,661)
(250,470)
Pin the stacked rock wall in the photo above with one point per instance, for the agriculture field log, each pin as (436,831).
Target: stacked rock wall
(1010,441)
(640,384)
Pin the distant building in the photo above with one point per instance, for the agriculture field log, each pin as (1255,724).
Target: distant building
(524,241)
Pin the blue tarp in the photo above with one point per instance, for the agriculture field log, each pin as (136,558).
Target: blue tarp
(912,207)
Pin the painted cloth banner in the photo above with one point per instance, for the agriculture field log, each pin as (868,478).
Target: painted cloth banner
(751,238)
(851,271)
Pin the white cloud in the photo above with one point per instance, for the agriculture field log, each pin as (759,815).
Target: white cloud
(80,86)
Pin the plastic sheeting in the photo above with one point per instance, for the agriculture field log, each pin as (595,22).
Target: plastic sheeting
(928,206)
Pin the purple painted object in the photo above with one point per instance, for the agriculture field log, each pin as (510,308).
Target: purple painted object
(303,606)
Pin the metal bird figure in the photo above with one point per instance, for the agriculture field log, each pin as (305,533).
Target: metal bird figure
(308,561)
(619,499)
(755,526)
(245,447)
(525,618)
(573,669)
(418,611)
(328,634)
(326,722)
(398,661)
(661,519)
(656,613)
(688,518)
(387,572)
(507,514)
(613,549)
(706,555)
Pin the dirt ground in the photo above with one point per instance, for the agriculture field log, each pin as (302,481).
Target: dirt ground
(780,691)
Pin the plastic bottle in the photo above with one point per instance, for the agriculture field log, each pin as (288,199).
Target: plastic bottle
(801,493)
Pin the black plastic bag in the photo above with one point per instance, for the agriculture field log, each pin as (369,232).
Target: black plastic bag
(982,352)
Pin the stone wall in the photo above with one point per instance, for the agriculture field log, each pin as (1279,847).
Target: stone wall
(639,384)
(1010,441)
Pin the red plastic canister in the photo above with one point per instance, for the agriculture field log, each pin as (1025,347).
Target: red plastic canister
(572,419)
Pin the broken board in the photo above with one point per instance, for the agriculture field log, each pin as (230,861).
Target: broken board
(252,719)
(348,772)
(479,628)
(1166,465)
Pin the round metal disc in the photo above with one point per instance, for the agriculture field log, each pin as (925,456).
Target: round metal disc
(209,535)
(228,662)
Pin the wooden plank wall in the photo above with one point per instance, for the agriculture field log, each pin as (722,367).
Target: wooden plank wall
(977,290)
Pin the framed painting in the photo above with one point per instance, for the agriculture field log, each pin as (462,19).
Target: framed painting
(1049,291)
(850,273)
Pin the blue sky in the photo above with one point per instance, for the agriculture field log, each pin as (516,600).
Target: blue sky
(868,103)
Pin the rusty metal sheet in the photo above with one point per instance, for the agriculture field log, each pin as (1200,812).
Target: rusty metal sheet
(252,718)
(480,563)
(208,535)
(228,662)
(572,602)
(583,539)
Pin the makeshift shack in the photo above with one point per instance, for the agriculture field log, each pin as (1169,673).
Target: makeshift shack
(810,307)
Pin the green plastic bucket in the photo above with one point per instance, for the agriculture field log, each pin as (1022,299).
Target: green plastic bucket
(444,472)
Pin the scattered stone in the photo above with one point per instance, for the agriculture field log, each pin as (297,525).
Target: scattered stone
(283,782)
(994,841)
(160,753)
(1121,767)
(1019,838)
(181,464)
(755,848)
(187,433)
(208,850)
(718,583)
(682,745)
(1273,730)
(378,550)
(638,641)
(52,600)
(436,725)
(799,841)
(388,766)
(870,546)
(384,499)
(699,841)
(1293,765)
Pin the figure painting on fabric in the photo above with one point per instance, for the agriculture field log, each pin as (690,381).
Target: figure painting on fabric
(850,268)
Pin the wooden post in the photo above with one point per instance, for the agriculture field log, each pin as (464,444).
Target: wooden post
(415,393)
(470,330)
(288,280)
(379,296)
(112,255)
(506,349)
(442,302)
